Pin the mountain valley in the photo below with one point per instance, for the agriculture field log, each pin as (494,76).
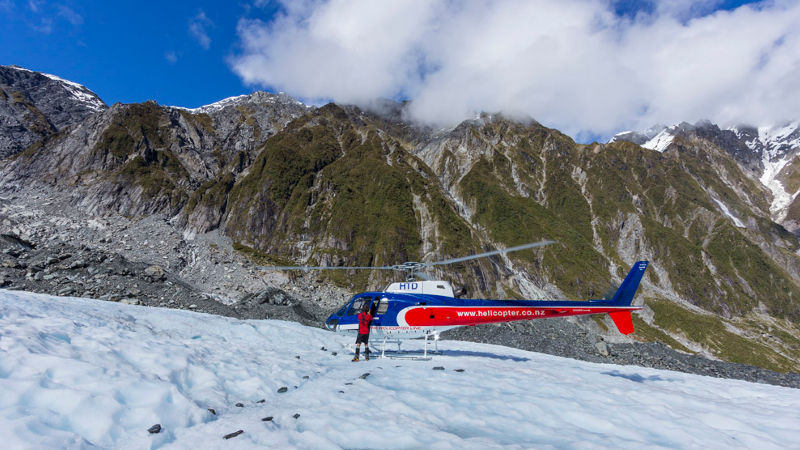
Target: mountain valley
(182,207)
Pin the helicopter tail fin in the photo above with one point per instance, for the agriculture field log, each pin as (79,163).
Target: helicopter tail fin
(626,291)
(624,297)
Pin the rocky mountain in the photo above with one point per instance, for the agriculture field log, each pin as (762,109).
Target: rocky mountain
(208,194)
(36,105)
(770,154)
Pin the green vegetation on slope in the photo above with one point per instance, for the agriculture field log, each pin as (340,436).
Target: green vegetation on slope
(711,332)
(133,126)
(647,333)
(157,176)
(710,262)
(573,263)
(212,194)
(134,148)
(202,120)
(346,189)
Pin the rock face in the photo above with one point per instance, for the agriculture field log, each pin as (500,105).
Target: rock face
(34,106)
(64,270)
(207,194)
(245,122)
(769,154)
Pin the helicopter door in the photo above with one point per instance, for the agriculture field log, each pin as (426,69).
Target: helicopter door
(374,307)
(380,306)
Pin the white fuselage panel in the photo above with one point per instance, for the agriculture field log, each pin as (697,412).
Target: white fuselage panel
(432,287)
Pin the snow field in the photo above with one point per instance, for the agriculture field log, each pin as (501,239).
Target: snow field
(77,373)
(661,141)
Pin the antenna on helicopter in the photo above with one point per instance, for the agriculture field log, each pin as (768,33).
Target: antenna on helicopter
(414,269)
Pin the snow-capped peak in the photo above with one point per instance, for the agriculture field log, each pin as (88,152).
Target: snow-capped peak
(655,138)
(772,141)
(216,106)
(776,147)
(639,137)
(661,141)
(78,91)
(238,99)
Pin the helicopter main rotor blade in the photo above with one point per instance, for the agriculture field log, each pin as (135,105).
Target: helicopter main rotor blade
(327,267)
(492,253)
(414,267)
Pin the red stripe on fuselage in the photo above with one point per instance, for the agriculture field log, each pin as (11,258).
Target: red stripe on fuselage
(423,316)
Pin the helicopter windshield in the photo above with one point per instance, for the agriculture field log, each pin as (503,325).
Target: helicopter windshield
(358,305)
(352,307)
(343,310)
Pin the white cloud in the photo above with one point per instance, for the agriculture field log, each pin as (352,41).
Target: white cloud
(45,17)
(573,65)
(44,25)
(70,15)
(198,26)
(171,57)
(34,5)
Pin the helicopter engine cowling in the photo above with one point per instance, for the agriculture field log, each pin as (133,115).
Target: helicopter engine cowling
(431,287)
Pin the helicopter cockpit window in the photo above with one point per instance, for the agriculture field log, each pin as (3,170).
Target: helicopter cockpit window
(383,305)
(341,312)
(358,305)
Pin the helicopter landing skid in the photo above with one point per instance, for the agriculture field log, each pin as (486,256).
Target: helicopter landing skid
(410,354)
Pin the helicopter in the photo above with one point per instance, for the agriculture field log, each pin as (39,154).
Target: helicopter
(425,308)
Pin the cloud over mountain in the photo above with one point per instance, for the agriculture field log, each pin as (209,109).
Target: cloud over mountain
(579,66)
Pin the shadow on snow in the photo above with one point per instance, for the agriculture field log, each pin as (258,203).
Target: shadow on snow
(636,377)
(419,353)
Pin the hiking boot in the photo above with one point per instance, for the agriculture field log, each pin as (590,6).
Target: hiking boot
(356,359)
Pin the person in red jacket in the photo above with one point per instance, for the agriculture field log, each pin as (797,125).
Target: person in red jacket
(364,321)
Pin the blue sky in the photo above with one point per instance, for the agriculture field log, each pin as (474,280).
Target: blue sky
(585,67)
(172,52)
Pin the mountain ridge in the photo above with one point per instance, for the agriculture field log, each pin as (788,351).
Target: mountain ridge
(35,106)
(770,154)
(277,181)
